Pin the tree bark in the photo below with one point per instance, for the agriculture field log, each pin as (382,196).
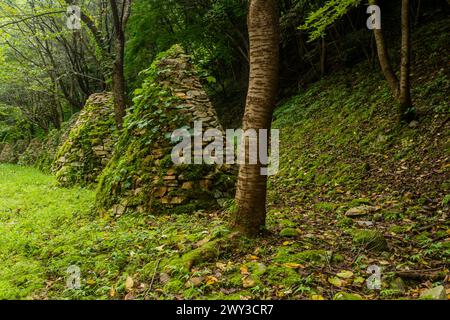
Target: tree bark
(118,82)
(264,36)
(383,57)
(405,111)
(323,57)
(118,77)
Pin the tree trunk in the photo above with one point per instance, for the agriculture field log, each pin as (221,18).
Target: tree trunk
(118,77)
(118,82)
(405,111)
(264,36)
(323,57)
(383,57)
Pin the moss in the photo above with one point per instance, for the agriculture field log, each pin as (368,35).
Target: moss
(234,281)
(173,286)
(286,277)
(76,162)
(288,232)
(210,250)
(136,176)
(370,240)
(337,258)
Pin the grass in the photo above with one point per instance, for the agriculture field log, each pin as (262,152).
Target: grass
(45,229)
(342,148)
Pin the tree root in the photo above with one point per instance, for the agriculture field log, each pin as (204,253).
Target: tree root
(207,252)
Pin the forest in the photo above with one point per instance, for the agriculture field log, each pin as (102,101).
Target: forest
(224,150)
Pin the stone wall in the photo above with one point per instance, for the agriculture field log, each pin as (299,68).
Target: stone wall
(10,152)
(54,140)
(89,145)
(141,176)
(31,153)
(7,155)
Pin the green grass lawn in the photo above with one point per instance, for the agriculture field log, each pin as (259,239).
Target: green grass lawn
(45,229)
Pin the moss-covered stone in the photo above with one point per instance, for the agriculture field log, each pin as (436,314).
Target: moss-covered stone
(51,144)
(31,154)
(141,175)
(293,255)
(88,148)
(288,232)
(370,239)
(8,155)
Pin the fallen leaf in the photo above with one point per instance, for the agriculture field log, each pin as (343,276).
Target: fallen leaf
(317,297)
(358,280)
(129,283)
(292,265)
(244,270)
(221,266)
(210,280)
(164,278)
(195,282)
(201,242)
(335,281)
(248,282)
(345,274)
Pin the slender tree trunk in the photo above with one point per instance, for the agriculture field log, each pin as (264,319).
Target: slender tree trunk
(405,90)
(383,57)
(118,82)
(323,58)
(118,77)
(264,36)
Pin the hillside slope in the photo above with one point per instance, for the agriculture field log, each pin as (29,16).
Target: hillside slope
(355,189)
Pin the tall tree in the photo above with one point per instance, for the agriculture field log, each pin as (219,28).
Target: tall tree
(405,65)
(400,88)
(120,17)
(383,57)
(264,36)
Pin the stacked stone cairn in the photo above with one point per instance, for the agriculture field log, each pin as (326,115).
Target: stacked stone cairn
(89,145)
(142,177)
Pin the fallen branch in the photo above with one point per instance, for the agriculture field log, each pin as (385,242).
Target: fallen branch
(430,274)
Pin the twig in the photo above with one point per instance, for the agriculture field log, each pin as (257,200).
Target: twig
(153,279)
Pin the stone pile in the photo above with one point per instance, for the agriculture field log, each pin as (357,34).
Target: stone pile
(7,154)
(89,145)
(31,153)
(142,176)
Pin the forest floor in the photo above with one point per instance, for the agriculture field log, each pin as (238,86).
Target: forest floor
(45,229)
(355,189)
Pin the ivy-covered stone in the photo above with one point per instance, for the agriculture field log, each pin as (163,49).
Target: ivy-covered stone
(51,144)
(89,145)
(7,155)
(31,154)
(141,175)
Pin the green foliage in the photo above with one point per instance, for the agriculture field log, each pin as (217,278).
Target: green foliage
(319,20)
(13,124)
(212,31)
(45,229)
